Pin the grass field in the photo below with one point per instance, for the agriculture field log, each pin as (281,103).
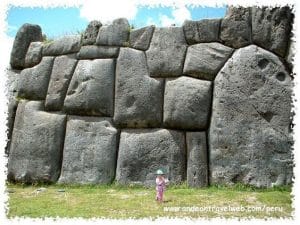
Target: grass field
(116,201)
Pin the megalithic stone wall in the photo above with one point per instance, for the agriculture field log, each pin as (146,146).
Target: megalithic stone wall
(209,102)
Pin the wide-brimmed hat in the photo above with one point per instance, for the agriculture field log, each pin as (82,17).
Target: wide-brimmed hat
(159,172)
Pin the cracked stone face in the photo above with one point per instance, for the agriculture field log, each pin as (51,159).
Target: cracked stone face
(250,139)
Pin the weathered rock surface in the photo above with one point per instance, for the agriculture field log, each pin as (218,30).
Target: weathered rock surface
(140,38)
(142,152)
(61,75)
(206,30)
(91,89)
(11,110)
(187,103)
(33,83)
(62,46)
(90,34)
(291,53)
(205,60)
(166,54)
(250,139)
(197,169)
(138,97)
(271,28)
(37,142)
(98,52)
(235,28)
(90,148)
(11,88)
(26,34)
(34,54)
(116,34)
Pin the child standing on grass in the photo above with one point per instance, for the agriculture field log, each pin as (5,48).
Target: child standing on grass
(160,185)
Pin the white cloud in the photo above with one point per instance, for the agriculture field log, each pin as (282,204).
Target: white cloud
(179,14)
(166,21)
(150,21)
(108,11)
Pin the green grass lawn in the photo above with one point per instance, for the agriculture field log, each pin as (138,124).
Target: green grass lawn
(116,201)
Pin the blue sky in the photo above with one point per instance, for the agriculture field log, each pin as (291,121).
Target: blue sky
(60,21)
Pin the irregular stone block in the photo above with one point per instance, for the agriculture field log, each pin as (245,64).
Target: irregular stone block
(91,89)
(34,54)
(197,164)
(100,52)
(34,81)
(236,27)
(116,34)
(205,60)
(138,97)
(90,34)
(89,151)
(206,30)
(26,34)
(37,143)
(166,54)
(140,38)
(271,28)
(250,137)
(62,46)
(187,103)
(61,75)
(142,152)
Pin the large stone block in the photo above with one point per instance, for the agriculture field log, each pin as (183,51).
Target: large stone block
(62,46)
(271,28)
(90,34)
(90,151)
(98,52)
(140,38)
(166,54)
(206,30)
(33,83)
(250,137)
(91,89)
(187,103)
(138,97)
(142,152)
(61,75)
(205,60)
(116,34)
(235,28)
(26,34)
(37,143)
(197,164)
(34,54)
